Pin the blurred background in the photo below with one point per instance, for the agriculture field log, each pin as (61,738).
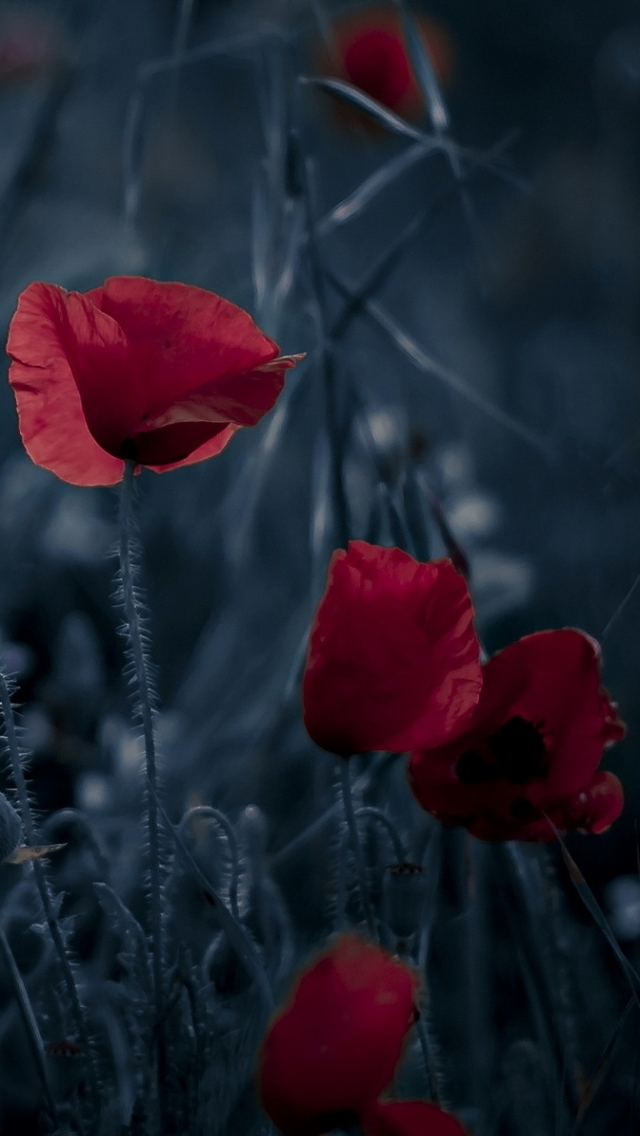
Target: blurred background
(467,290)
(490,346)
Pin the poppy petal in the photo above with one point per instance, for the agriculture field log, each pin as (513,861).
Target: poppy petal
(595,807)
(335,1045)
(239,399)
(222,339)
(52,419)
(164,373)
(545,689)
(393,657)
(409,1118)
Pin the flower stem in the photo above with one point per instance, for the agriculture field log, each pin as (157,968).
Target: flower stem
(356,847)
(232,927)
(133,631)
(30,1025)
(11,739)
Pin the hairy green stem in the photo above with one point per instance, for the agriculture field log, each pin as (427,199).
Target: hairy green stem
(30,1025)
(55,931)
(356,847)
(134,636)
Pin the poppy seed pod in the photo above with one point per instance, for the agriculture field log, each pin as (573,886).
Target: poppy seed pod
(10,828)
(403,896)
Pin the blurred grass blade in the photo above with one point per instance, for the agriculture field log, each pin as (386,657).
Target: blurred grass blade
(454,551)
(594,909)
(602,1067)
(424,71)
(320,525)
(412,349)
(350,94)
(379,180)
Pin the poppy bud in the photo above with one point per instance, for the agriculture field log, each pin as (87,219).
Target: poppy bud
(10,828)
(403,895)
(253,829)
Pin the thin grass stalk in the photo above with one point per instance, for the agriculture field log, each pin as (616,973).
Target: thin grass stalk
(13,748)
(30,1025)
(356,846)
(134,635)
(319,287)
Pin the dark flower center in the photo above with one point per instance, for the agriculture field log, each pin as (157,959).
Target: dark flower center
(516,752)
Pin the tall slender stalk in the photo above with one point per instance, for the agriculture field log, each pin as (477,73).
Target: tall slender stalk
(30,1025)
(356,846)
(134,634)
(13,749)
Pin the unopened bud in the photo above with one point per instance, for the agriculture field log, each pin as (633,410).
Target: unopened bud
(252,827)
(403,895)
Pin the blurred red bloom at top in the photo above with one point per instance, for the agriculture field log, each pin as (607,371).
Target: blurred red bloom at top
(371,54)
(160,373)
(335,1046)
(533,746)
(409,1118)
(393,661)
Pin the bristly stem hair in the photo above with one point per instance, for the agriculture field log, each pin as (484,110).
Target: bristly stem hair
(133,631)
(28,824)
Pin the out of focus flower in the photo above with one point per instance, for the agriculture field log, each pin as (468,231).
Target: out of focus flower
(334,1047)
(369,51)
(160,373)
(623,900)
(30,43)
(409,1118)
(393,661)
(532,747)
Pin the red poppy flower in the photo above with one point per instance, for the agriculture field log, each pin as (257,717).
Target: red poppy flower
(532,747)
(393,657)
(409,1118)
(369,48)
(336,1044)
(163,373)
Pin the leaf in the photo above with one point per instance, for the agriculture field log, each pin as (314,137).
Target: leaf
(346,91)
(601,1068)
(594,909)
(424,72)
(424,362)
(379,180)
(27,852)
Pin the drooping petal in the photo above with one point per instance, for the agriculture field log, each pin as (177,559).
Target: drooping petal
(393,657)
(335,1045)
(239,399)
(409,1118)
(202,424)
(198,337)
(597,805)
(52,420)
